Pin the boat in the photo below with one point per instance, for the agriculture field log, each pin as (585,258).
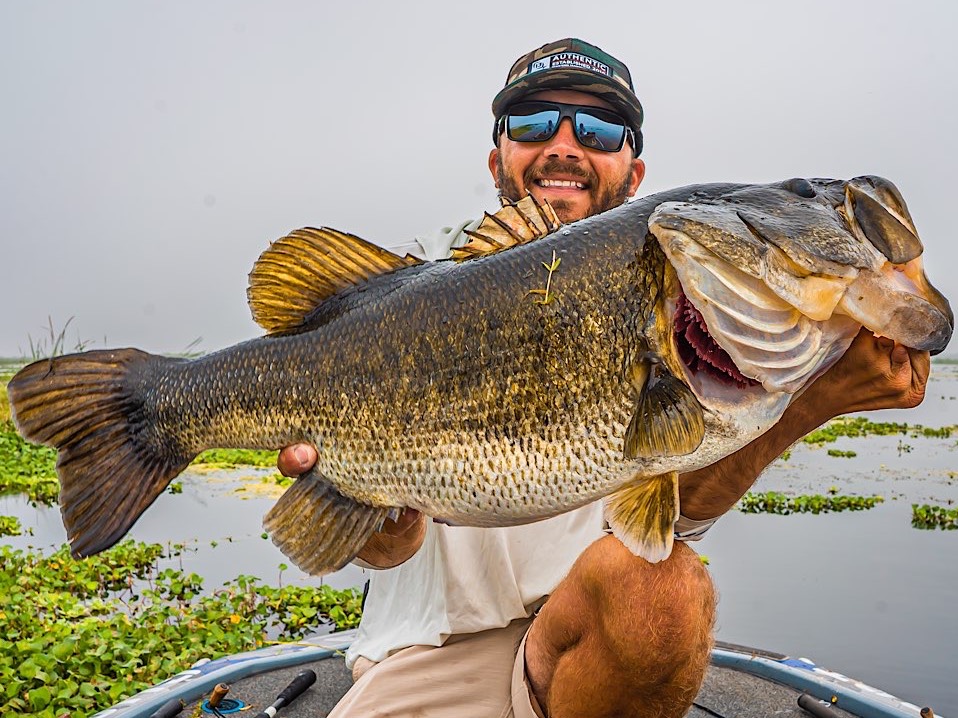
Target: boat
(741,682)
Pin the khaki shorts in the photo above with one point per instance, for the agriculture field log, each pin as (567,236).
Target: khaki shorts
(481,675)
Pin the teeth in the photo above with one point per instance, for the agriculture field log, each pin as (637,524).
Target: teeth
(560,183)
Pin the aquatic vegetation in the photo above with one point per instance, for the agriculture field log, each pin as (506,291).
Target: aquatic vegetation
(859,426)
(105,627)
(775,502)
(10,526)
(942,432)
(27,468)
(4,400)
(232,458)
(843,454)
(933,517)
(853,426)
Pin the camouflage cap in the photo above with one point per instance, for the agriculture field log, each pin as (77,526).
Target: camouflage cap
(573,64)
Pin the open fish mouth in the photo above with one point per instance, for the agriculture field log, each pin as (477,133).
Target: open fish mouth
(699,351)
(774,282)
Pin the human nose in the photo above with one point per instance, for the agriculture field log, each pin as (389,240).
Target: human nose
(563,143)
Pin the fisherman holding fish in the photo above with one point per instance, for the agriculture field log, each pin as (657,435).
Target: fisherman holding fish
(557,618)
(686,340)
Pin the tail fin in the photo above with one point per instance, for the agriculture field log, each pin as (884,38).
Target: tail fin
(111,464)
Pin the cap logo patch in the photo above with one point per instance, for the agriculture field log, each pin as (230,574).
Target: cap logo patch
(570,59)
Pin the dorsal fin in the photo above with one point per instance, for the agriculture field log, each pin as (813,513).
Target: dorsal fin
(305,268)
(515,223)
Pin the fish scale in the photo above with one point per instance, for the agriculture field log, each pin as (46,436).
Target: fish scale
(467,390)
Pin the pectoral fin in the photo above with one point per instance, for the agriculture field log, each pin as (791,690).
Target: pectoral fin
(668,419)
(642,515)
(318,528)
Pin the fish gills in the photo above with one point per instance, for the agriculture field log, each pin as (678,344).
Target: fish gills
(112,466)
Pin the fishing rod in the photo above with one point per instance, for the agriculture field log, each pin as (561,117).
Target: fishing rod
(302,681)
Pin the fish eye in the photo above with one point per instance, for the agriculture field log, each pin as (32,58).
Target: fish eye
(801,187)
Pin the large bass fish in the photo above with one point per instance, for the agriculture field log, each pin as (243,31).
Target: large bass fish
(598,361)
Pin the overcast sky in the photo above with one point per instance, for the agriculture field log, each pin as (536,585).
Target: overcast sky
(150,151)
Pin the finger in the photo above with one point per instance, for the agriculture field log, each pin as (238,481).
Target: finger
(406,523)
(408,519)
(884,343)
(296,460)
(920,365)
(899,357)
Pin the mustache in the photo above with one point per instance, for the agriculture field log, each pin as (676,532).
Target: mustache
(556,166)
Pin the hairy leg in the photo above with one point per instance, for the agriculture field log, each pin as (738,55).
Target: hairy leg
(623,637)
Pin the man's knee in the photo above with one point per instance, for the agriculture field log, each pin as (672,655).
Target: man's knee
(645,629)
(671,604)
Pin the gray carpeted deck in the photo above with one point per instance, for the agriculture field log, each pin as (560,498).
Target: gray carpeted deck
(726,693)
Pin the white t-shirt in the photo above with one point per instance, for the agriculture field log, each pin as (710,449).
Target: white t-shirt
(465,580)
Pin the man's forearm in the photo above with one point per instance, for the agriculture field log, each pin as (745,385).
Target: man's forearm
(874,373)
(711,491)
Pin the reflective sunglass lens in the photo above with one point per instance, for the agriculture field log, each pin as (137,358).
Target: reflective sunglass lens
(594,127)
(533,127)
(599,133)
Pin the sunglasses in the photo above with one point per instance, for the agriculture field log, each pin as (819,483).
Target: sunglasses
(595,128)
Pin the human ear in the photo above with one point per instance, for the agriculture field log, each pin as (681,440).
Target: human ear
(638,174)
(494,165)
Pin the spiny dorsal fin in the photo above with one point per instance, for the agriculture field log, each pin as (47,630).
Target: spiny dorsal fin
(515,223)
(305,268)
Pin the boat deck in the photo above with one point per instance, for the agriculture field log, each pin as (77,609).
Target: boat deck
(727,692)
(741,682)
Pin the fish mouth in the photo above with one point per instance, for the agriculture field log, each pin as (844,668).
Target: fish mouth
(699,351)
(774,282)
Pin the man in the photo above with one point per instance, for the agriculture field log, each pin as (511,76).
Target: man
(556,618)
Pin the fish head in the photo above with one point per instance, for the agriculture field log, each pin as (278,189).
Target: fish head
(767,285)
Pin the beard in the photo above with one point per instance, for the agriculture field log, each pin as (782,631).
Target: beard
(602,196)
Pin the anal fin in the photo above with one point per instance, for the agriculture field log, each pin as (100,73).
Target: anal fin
(642,515)
(318,528)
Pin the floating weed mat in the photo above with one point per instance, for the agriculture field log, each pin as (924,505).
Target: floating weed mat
(842,454)
(775,502)
(27,468)
(4,400)
(858,426)
(933,517)
(103,628)
(233,458)
(10,526)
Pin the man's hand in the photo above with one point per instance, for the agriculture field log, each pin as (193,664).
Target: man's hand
(395,543)
(875,373)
